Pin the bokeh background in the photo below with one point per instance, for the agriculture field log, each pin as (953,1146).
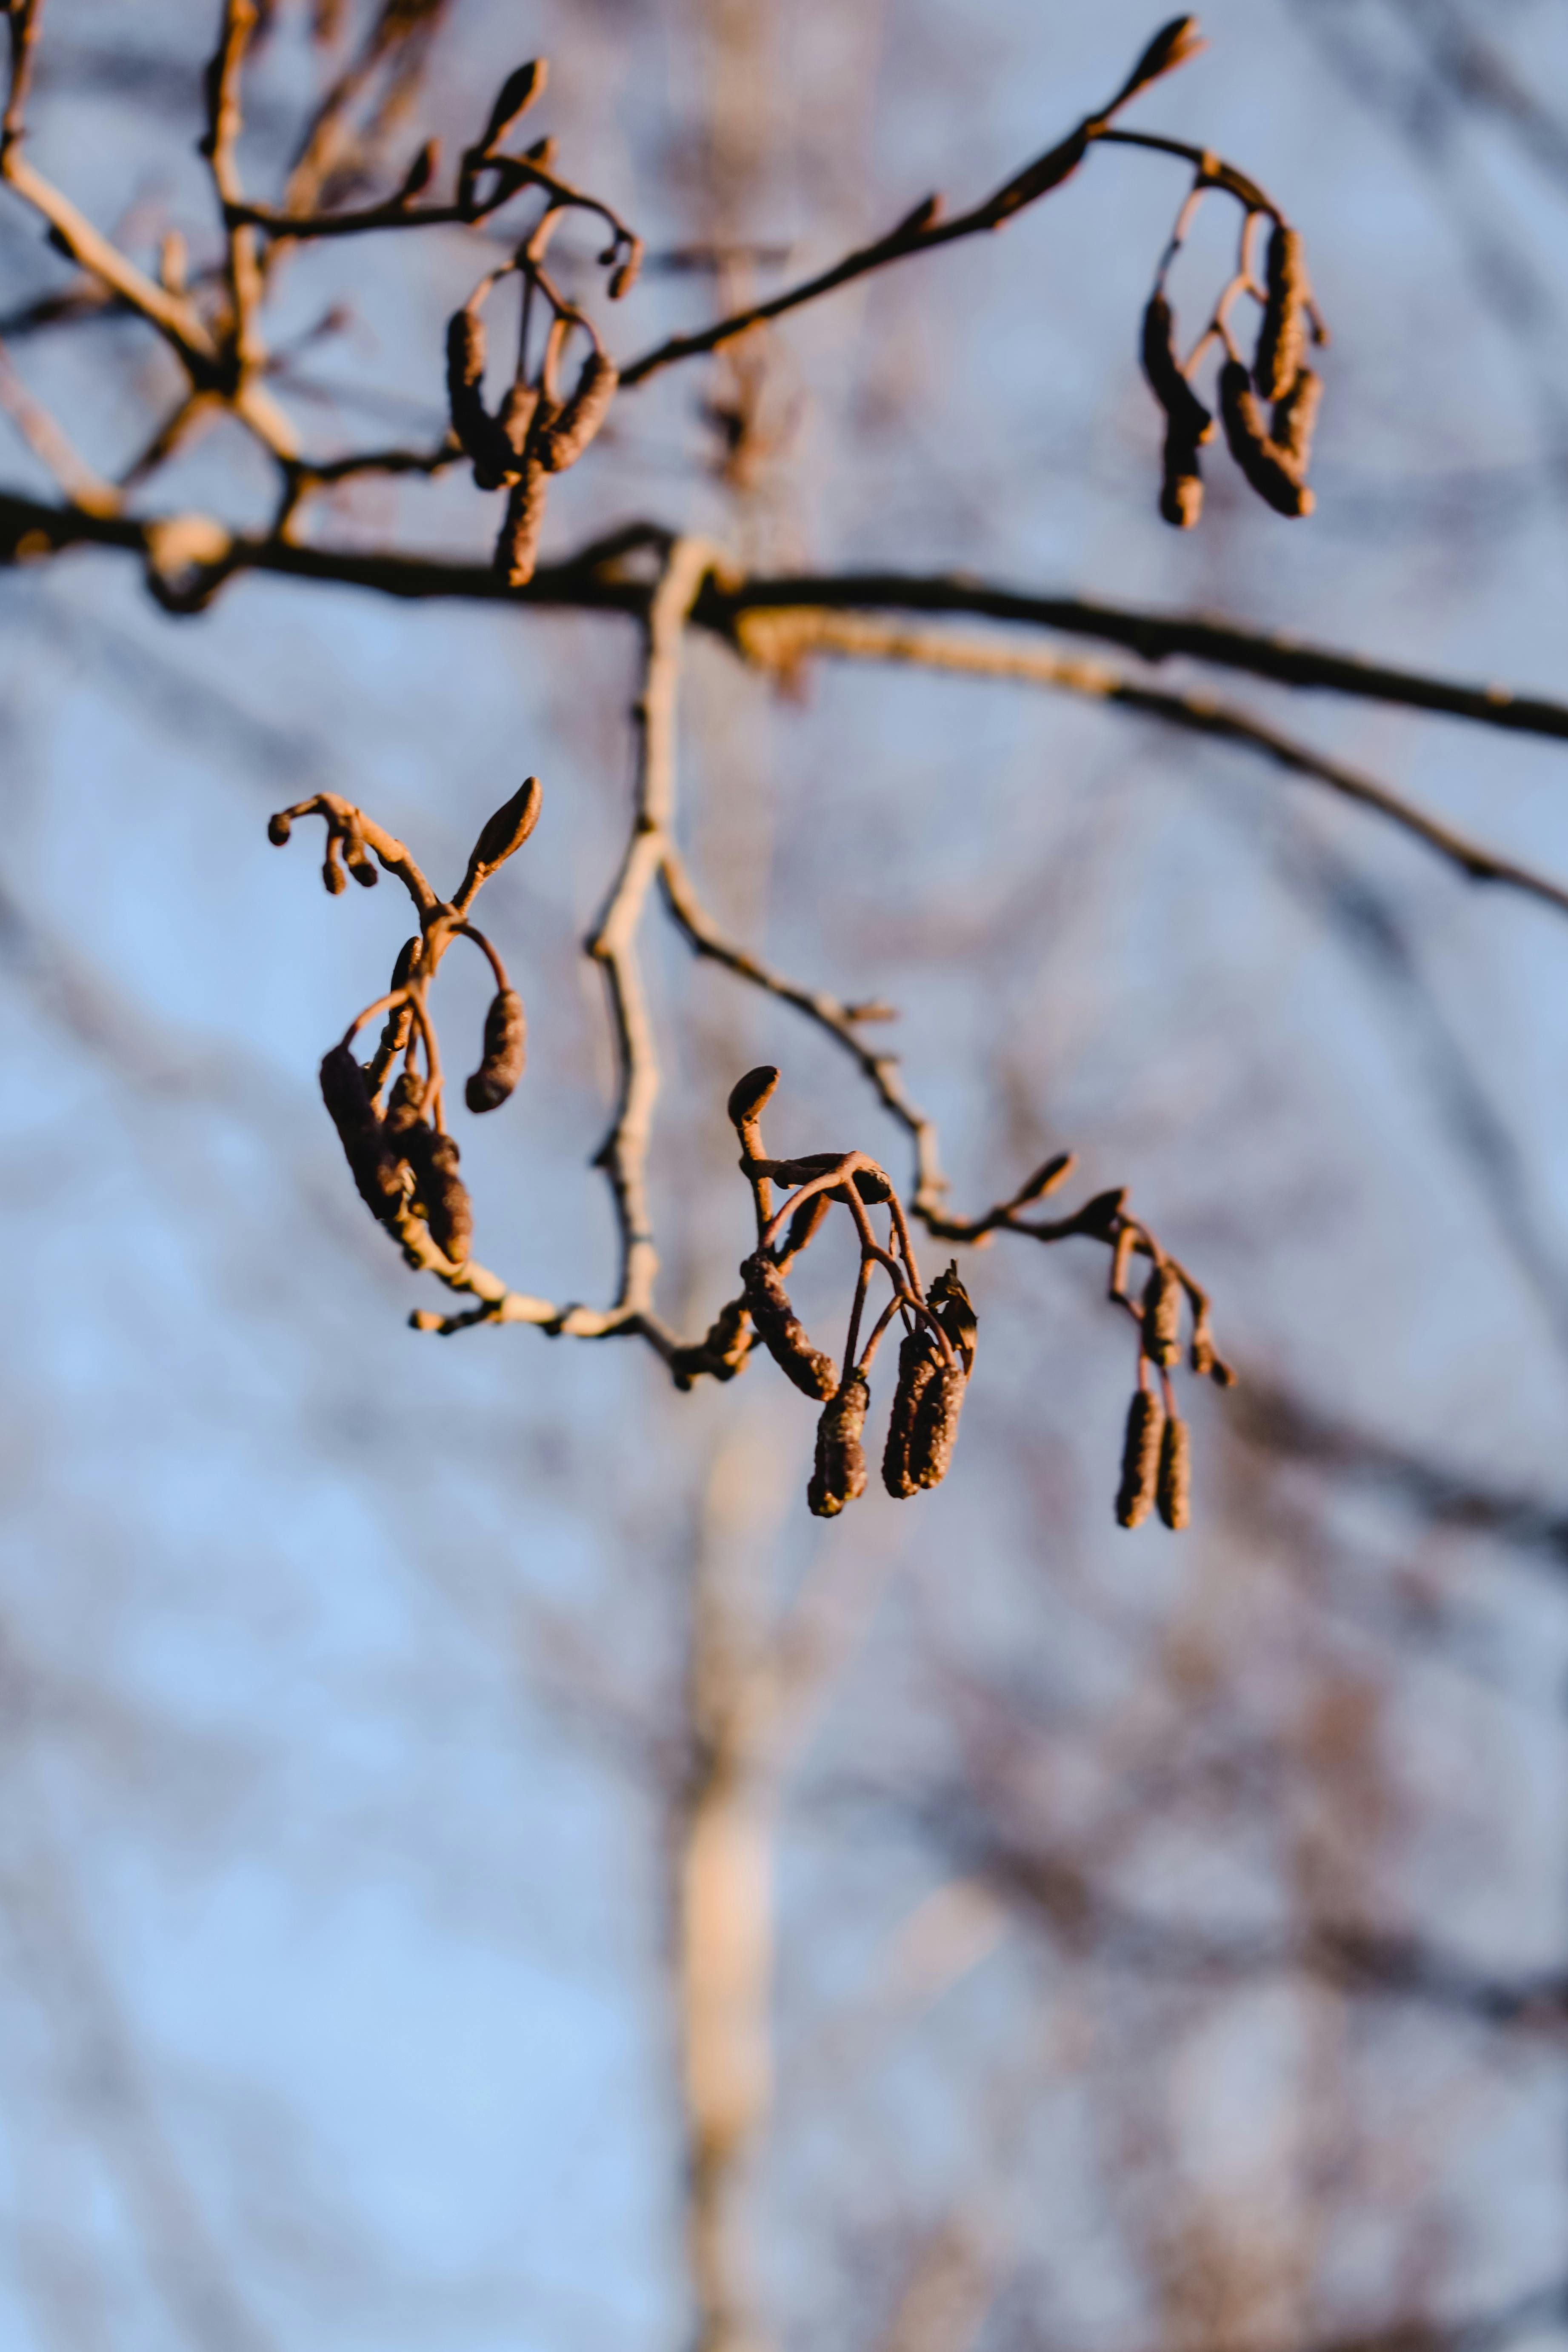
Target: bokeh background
(1149,1944)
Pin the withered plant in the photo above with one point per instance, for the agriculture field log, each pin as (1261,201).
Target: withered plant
(518,427)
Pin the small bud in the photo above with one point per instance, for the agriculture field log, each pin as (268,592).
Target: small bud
(360,863)
(419,173)
(781,1331)
(1282,337)
(921,216)
(1140,1459)
(872,1185)
(747,1096)
(624,277)
(1174,1479)
(1162,1317)
(506,1041)
(839,1474)
(513,99)
(543,152)
(1098,1216)
(278,829)
(918,1362)
(504,831)
(1171,45)
(1266,467)
(564,441)
(804,1223)
(332,874)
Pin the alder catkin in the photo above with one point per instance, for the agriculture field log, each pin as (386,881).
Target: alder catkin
(474,427)
(1295,419)
(918,1362)
(506,1041)
(562,441)
(1281,336)
(1162,1317)
(440,1193)
(722,1351)
(1166,381)
(1140,1459)
(935,1424)
(345,1090)
(1181,482)
(804,1223)
(517,549)
(781,1331)
(1172,1491)
(839,1473)
(1265,467)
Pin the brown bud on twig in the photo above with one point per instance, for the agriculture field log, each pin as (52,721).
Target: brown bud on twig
(345,1090)
(804,1223)
(1171,45)
(1265,467)
(744,1108)
(360,863)
(1281,336)
(839,1474)
(562,441)
(1295,419)
(513,99)
(503,833)
(440,1193)
(278,829)
(935,1424)
(918,1362)
(517,549)
(1140,1459)
(1098,1217)
(506,1041)
(722,1351)
(626,276)
(1162,1316)
(1174,1487)
(419,173)
(781,1331)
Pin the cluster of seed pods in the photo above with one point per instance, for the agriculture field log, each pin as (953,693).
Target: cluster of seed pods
(936,1352)
(540,428)
(1272,455)
(403,1158)
(1156,1457)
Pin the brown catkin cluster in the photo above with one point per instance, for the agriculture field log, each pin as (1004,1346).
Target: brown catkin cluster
(505,1045)
(838,1475)
(1188,424)
(918,1362)
(528,441)
(1140,1455)
(781,1331)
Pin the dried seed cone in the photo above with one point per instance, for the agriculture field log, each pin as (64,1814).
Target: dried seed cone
(1162,1317)
(1175,1485)
(781,1331)
(1295,419)
(1140,1459)
(839,1476)
(1189,419)
(918,1363)
(1281,336)
(1266,467)
(562,443)
(935,1426)
(439,1192)
(345,1090)
(505,1045)
(517,549)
